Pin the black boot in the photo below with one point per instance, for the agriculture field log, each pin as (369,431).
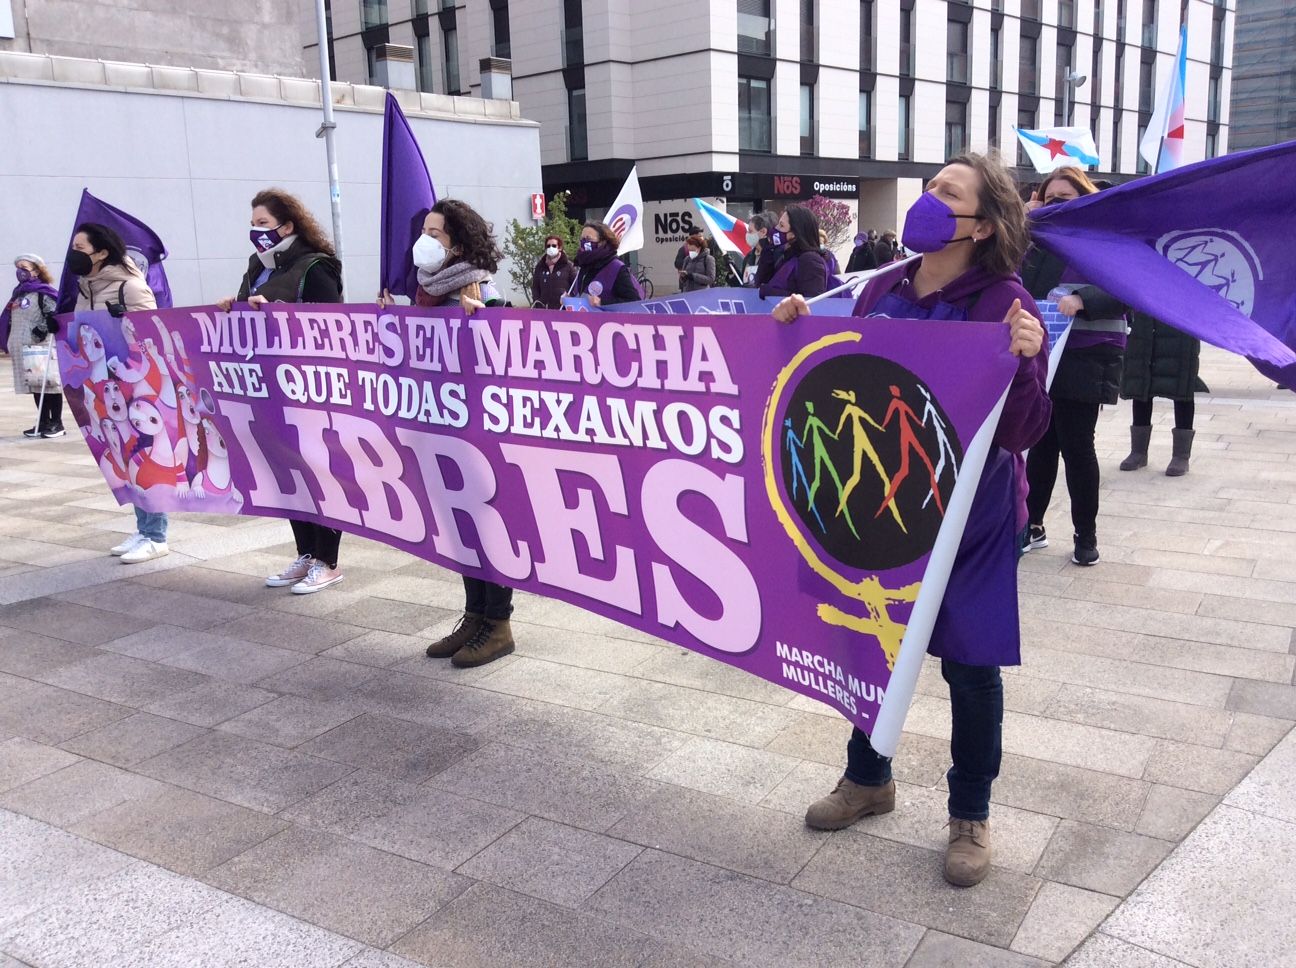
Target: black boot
(39,426)
(51,419)
(1182,443)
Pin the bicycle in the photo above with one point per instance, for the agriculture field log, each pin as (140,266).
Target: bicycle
(641,276)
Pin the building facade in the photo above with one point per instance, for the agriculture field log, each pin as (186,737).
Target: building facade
(1263,105)
(763,102)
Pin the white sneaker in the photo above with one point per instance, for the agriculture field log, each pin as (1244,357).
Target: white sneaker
(292,574)
(130,544)
(317,579)
(146,550)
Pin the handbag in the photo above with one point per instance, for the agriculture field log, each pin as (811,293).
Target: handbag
(41,368)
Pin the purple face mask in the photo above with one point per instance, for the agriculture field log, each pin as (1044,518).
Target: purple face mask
(929,224)
(24,275)
(265,239)
(776,238)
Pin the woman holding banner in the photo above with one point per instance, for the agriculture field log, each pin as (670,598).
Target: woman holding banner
(970,226)
(28,320)
(792,262)
(600,276)
(108,279)
(456,258)
(294,262)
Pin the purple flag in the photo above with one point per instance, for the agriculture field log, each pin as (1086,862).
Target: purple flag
(407,195)
(1205,248)
(786,499)
(142,245)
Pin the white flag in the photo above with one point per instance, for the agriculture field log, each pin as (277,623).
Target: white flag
(626,215)
(1163,141)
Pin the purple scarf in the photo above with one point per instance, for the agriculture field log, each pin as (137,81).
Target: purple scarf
(20,290)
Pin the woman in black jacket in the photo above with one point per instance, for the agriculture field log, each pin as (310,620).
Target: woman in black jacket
(294,262)
(600,275)
(1161,361)
(792,263)
(552,276)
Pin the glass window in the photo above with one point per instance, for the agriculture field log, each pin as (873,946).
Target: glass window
(377,69)
(500,23)
(956,52)
(450,41)
(866,124)
(1145,87)
(992,125)
(373,13)
(906,43)
(955,128)
(754,27)
(1030,9)
(1064,92)
(996,58)
(577,135)
(1026,122)
(808,31)
(867,42)
(1217,41)
(1212,144)
(905,121)
(753,114)
(1149,23)
(1117,114)
(426,69)
(1066,13)
(1028,66)
(1213,99)
(1140,163)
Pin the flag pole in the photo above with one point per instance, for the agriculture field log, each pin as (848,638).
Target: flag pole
(326,130)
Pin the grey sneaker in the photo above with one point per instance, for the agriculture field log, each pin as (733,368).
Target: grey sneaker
(292,574)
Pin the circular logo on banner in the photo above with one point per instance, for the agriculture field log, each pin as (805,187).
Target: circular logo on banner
(623,220)
(1219,259)
(865,456)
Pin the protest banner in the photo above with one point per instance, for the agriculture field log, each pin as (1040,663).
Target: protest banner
(787,499)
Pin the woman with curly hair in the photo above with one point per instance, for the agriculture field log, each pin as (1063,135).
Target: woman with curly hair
(294,262)
(600,276)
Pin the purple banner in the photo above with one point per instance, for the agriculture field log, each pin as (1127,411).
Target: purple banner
(788,503)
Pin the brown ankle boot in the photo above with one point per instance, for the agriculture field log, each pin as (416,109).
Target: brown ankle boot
(848,802)
(493,640)
(967,858)
(460,636)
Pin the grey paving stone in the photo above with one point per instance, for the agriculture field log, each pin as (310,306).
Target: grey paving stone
(388,615)
(418,822)
(1104,951)
(379,959)
(744,919)
(211,703)
(1060,918)
(238,933)
(1270,789)
(77,792)
(1254,734)
(615,743)
(751,840)
(1264,698)
(1069,791)
(432,703)
(346,887)
(121,679)
(1198,768)
(683,668)
(572,647)
(301,633)
(1100,858)
(50,715)
(490,926)
(105,921)
(243,771)
(188,609)
(66,620)
(133,739)
(235,660)
(380,649)
(179,829)
(321,679)
(905,881)
(723,717)
(393,747)
(724,769)
(21,761)
(1170,813)
(558,788)
(939,950)
(289,721)
(920,760)
(670,956)
(1141,714)
(30,655)
(1206,905)
(550,861)
(556,683)
(212,583)
(41,864)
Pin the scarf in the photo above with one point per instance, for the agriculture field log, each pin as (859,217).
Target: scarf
(450,278)
(20,290)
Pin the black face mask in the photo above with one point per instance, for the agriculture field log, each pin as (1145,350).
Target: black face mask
(79,263)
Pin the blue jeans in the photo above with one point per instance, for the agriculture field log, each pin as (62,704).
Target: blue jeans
(976,741)
(151,524)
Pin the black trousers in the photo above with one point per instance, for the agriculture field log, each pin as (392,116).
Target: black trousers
(1185,410)
(487,598)
(51,411)
(1070,435)
(319,542)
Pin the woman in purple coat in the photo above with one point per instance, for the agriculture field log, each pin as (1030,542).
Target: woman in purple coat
(970,226)
(791,262)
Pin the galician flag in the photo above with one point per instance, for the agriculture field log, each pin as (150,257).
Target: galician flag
(730,233)
(1052,148)
(1163,142)
(626,215)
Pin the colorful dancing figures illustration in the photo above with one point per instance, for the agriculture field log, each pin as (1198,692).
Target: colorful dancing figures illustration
(909,444)
(815,430)
(795,446)
(931,418)
(861,446)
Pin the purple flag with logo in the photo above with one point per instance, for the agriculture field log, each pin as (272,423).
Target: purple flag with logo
(143,247)
(1205,248)
(407,195)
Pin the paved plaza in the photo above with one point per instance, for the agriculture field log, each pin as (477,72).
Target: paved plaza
(199,771)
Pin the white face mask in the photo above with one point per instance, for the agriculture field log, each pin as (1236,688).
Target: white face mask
(753,238)
(692,253)
(552,251)
(428,253)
